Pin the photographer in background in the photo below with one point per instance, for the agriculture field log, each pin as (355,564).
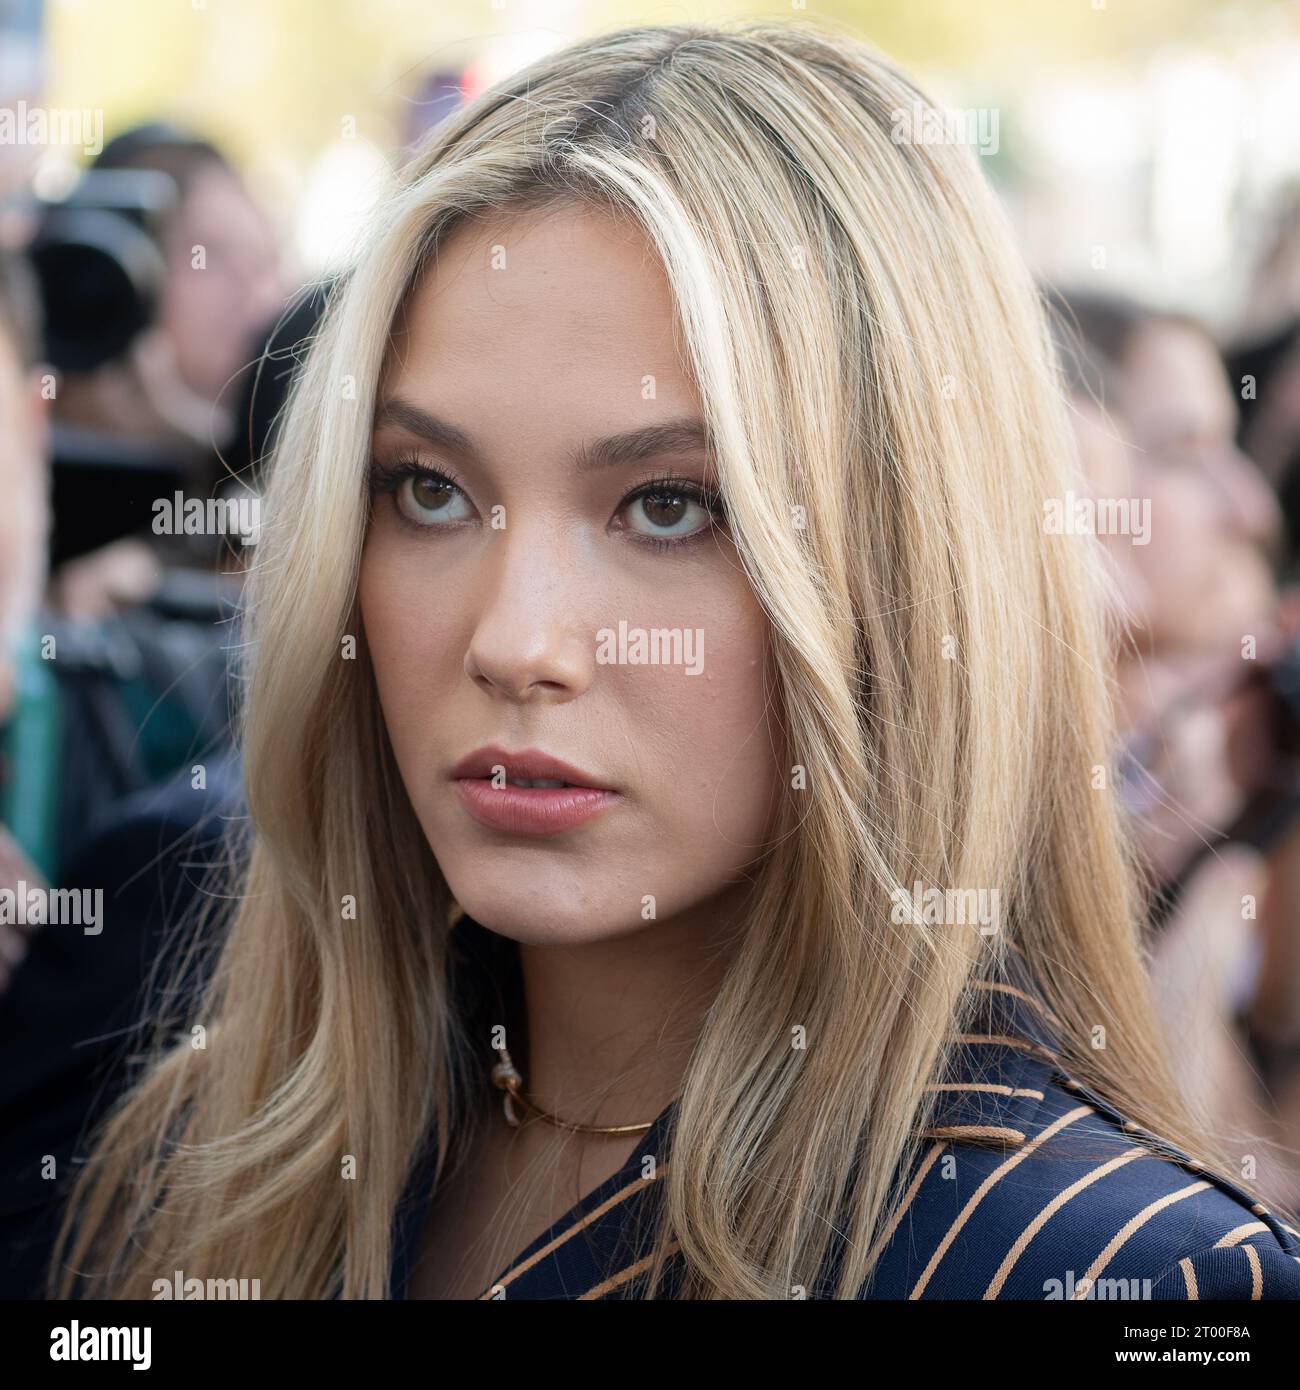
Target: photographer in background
(160,276)
(102,726)
(91,711)
(221,287)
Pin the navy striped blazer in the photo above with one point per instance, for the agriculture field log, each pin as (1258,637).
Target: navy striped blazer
(1028,1186)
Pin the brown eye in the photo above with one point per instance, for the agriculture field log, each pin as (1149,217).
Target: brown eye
(430,501)
(430,495)
(667,512)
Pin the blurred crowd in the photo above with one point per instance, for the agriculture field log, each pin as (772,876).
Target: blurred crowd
(1189,459)
(150,324)
(149,328)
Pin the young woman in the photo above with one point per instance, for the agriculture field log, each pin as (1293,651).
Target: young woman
(668,716)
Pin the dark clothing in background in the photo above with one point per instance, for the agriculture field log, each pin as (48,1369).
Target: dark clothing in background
(109,709)
(75,1009)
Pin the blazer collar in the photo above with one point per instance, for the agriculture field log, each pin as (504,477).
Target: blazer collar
(998,1068)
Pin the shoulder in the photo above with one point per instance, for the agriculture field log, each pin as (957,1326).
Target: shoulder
(1030,1186)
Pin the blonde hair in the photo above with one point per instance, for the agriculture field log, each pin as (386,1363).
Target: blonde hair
(887,413)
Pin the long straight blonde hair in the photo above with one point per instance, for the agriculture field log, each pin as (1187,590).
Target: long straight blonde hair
(886,407)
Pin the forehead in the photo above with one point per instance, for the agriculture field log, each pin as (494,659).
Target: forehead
(565,308)
(216,196)
(1169,361)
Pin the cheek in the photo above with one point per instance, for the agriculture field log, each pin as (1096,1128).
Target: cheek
(703,749)
(408,633)
(1182,524)
(202,312)
(187,295)
(709,742)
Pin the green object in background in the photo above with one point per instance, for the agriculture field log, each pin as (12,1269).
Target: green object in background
(29,795)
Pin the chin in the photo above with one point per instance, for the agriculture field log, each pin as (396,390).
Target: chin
(539,919)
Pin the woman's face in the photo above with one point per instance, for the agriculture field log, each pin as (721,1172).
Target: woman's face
(1213,517)
(542,576)
(1108,472)
(214,315)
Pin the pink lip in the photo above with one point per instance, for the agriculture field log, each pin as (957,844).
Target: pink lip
(532,810)
(529,810)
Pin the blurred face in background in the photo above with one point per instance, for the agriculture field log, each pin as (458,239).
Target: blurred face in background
(213,315)
(1107,461)
(1214,520)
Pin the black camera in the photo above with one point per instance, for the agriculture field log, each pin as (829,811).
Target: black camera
(100,265)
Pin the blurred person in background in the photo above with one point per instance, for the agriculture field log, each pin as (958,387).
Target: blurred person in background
(93,716)
(1155,421)
(91,712)
(1203,616)
(24,529)
(172,386)
(1166,382)
(1264,363)
(73,1016)
(166,396)
(24,470)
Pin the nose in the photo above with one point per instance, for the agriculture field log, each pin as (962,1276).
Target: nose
(1252,507)
(530,644)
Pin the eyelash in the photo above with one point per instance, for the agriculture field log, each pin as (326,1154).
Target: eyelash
(388,479)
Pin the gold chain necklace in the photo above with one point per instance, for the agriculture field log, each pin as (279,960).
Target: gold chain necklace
(506,1078)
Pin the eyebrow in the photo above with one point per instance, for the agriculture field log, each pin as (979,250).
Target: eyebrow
(670,437)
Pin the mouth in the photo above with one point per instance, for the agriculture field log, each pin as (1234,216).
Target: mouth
(529,768)
(529,793)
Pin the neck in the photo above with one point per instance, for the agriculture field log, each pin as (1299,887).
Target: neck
(612,1024)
